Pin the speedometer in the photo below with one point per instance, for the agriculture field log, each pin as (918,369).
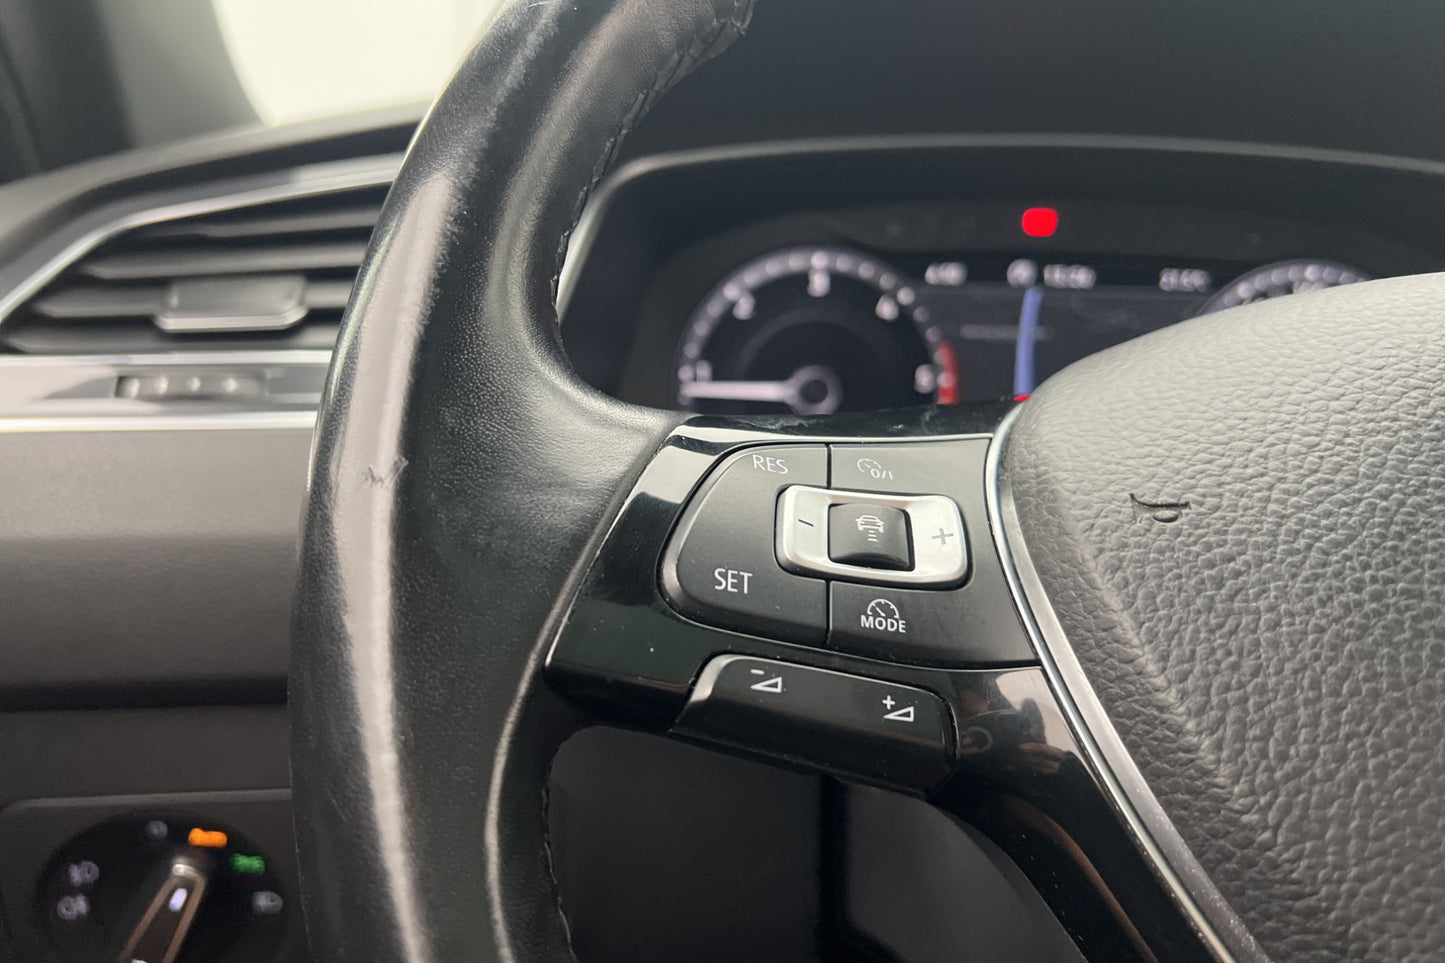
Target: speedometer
(1278,280)
(811,331)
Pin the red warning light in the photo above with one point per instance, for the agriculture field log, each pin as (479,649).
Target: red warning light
(1040,221)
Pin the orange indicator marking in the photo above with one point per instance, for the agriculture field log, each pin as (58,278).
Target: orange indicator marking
(207,838)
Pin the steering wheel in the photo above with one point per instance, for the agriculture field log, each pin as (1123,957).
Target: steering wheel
(1186,665)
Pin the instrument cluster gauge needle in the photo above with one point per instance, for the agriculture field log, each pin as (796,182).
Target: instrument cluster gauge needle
(812,390)
(1027,340)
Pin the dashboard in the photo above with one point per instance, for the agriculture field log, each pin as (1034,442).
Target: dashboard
(1032,186)
(837,294)
(173,340)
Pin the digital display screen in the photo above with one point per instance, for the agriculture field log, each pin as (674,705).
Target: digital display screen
(1015,320)
(819,329)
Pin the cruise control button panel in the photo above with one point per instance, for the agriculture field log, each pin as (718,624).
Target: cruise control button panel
(887,732)
(720,567)
(881,550)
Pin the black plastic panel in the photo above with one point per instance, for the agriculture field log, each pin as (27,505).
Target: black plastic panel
(144,566)
(665,852)
(905,866)
(1348,75)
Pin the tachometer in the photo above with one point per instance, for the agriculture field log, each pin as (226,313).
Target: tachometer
(812,331)
(1283,278)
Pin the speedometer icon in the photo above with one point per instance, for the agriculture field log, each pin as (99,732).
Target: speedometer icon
(883,609)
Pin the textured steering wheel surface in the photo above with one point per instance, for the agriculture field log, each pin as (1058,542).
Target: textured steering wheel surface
(1238,524)
(460,470)
(1241,527)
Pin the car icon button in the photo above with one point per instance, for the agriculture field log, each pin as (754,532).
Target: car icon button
(874,536)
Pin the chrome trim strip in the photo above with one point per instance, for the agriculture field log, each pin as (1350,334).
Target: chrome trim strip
(55,392)
(78,238)
(223,421)
(1153,831)
(279,356)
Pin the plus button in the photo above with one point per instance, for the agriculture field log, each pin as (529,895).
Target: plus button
(942,537)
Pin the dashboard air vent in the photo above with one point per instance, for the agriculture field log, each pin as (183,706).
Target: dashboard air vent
(271,275)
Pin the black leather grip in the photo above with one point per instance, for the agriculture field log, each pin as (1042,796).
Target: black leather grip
(458,475)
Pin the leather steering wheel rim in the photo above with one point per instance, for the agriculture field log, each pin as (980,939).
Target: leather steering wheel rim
(459,471)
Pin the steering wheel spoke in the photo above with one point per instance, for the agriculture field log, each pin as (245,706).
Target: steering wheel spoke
(937,692)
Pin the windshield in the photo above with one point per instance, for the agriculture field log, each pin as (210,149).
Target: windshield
(189,67)
(302,59)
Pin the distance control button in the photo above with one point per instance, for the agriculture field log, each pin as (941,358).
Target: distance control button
(897,468)
(719,567)
(875,536)
(890,733)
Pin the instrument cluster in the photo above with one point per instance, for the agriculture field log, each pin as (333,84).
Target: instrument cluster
(806,279)
(814,330)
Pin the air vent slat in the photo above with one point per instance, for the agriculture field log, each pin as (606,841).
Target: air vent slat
(150,265)
(274,274)
(233,305)
(347,219)
(104,301)
(327,295)
(146,338)
(101,302)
